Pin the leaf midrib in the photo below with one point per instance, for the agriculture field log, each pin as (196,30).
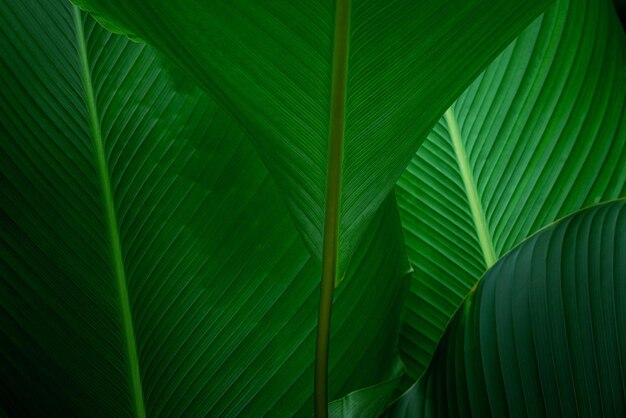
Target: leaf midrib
(478,214)
(110,219)
(330,250)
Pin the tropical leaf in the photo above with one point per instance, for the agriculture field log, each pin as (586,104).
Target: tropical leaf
(541,133)
(543,335)
(336,96)
(373,76)
(370,401)
(148,264)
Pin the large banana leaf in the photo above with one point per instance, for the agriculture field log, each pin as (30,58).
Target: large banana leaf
(372,75)
(541,133)
(148,263)
(543,335)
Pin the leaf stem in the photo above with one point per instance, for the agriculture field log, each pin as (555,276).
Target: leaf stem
(333,201)
(111,221)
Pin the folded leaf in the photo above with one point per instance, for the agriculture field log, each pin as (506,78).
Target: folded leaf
(373,75)
(544,333)
(148,264)
(541,133)
(370,401)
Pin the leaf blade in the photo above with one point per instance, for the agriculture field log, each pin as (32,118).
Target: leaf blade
(110,217)
(541,334)
(543,130)
(270,65)
(223,294)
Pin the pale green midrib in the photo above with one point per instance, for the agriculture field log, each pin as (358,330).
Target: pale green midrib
(476,208)
(111,221)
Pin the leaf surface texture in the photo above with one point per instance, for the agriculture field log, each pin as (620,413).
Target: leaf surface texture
(270,64)
(543,333)
(222,293)
(541,133)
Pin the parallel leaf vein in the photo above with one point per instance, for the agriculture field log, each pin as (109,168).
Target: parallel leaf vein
(110,219)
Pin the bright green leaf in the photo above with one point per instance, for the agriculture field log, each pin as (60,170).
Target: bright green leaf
(541,133)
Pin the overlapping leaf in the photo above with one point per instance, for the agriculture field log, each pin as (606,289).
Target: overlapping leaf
(543,335)
(541,133)
(270,63)
(221,292)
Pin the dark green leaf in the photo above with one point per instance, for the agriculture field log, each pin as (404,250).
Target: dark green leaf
(370,401)
(544,333)
(192,238)
(271,64)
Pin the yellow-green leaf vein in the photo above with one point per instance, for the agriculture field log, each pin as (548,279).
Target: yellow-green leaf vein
(476,208)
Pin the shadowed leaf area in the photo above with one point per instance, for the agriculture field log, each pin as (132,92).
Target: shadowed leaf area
(177,176)
(543,333)
(270,64)
(221,291)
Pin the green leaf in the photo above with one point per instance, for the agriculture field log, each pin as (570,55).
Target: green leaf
(370,401)
(148,263)
(337,96)
(279,67)
(543,335)
(541,133)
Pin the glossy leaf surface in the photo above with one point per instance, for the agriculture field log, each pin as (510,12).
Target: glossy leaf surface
(541,133)
(220,290)
(271,65)
(543,334)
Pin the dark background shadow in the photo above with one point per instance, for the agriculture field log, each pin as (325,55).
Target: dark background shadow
(620,5)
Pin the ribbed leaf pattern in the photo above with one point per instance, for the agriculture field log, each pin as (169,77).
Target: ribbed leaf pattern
(270,64)
(543,132)
(222,291)
(543,335)
(62,326)
(371,401)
